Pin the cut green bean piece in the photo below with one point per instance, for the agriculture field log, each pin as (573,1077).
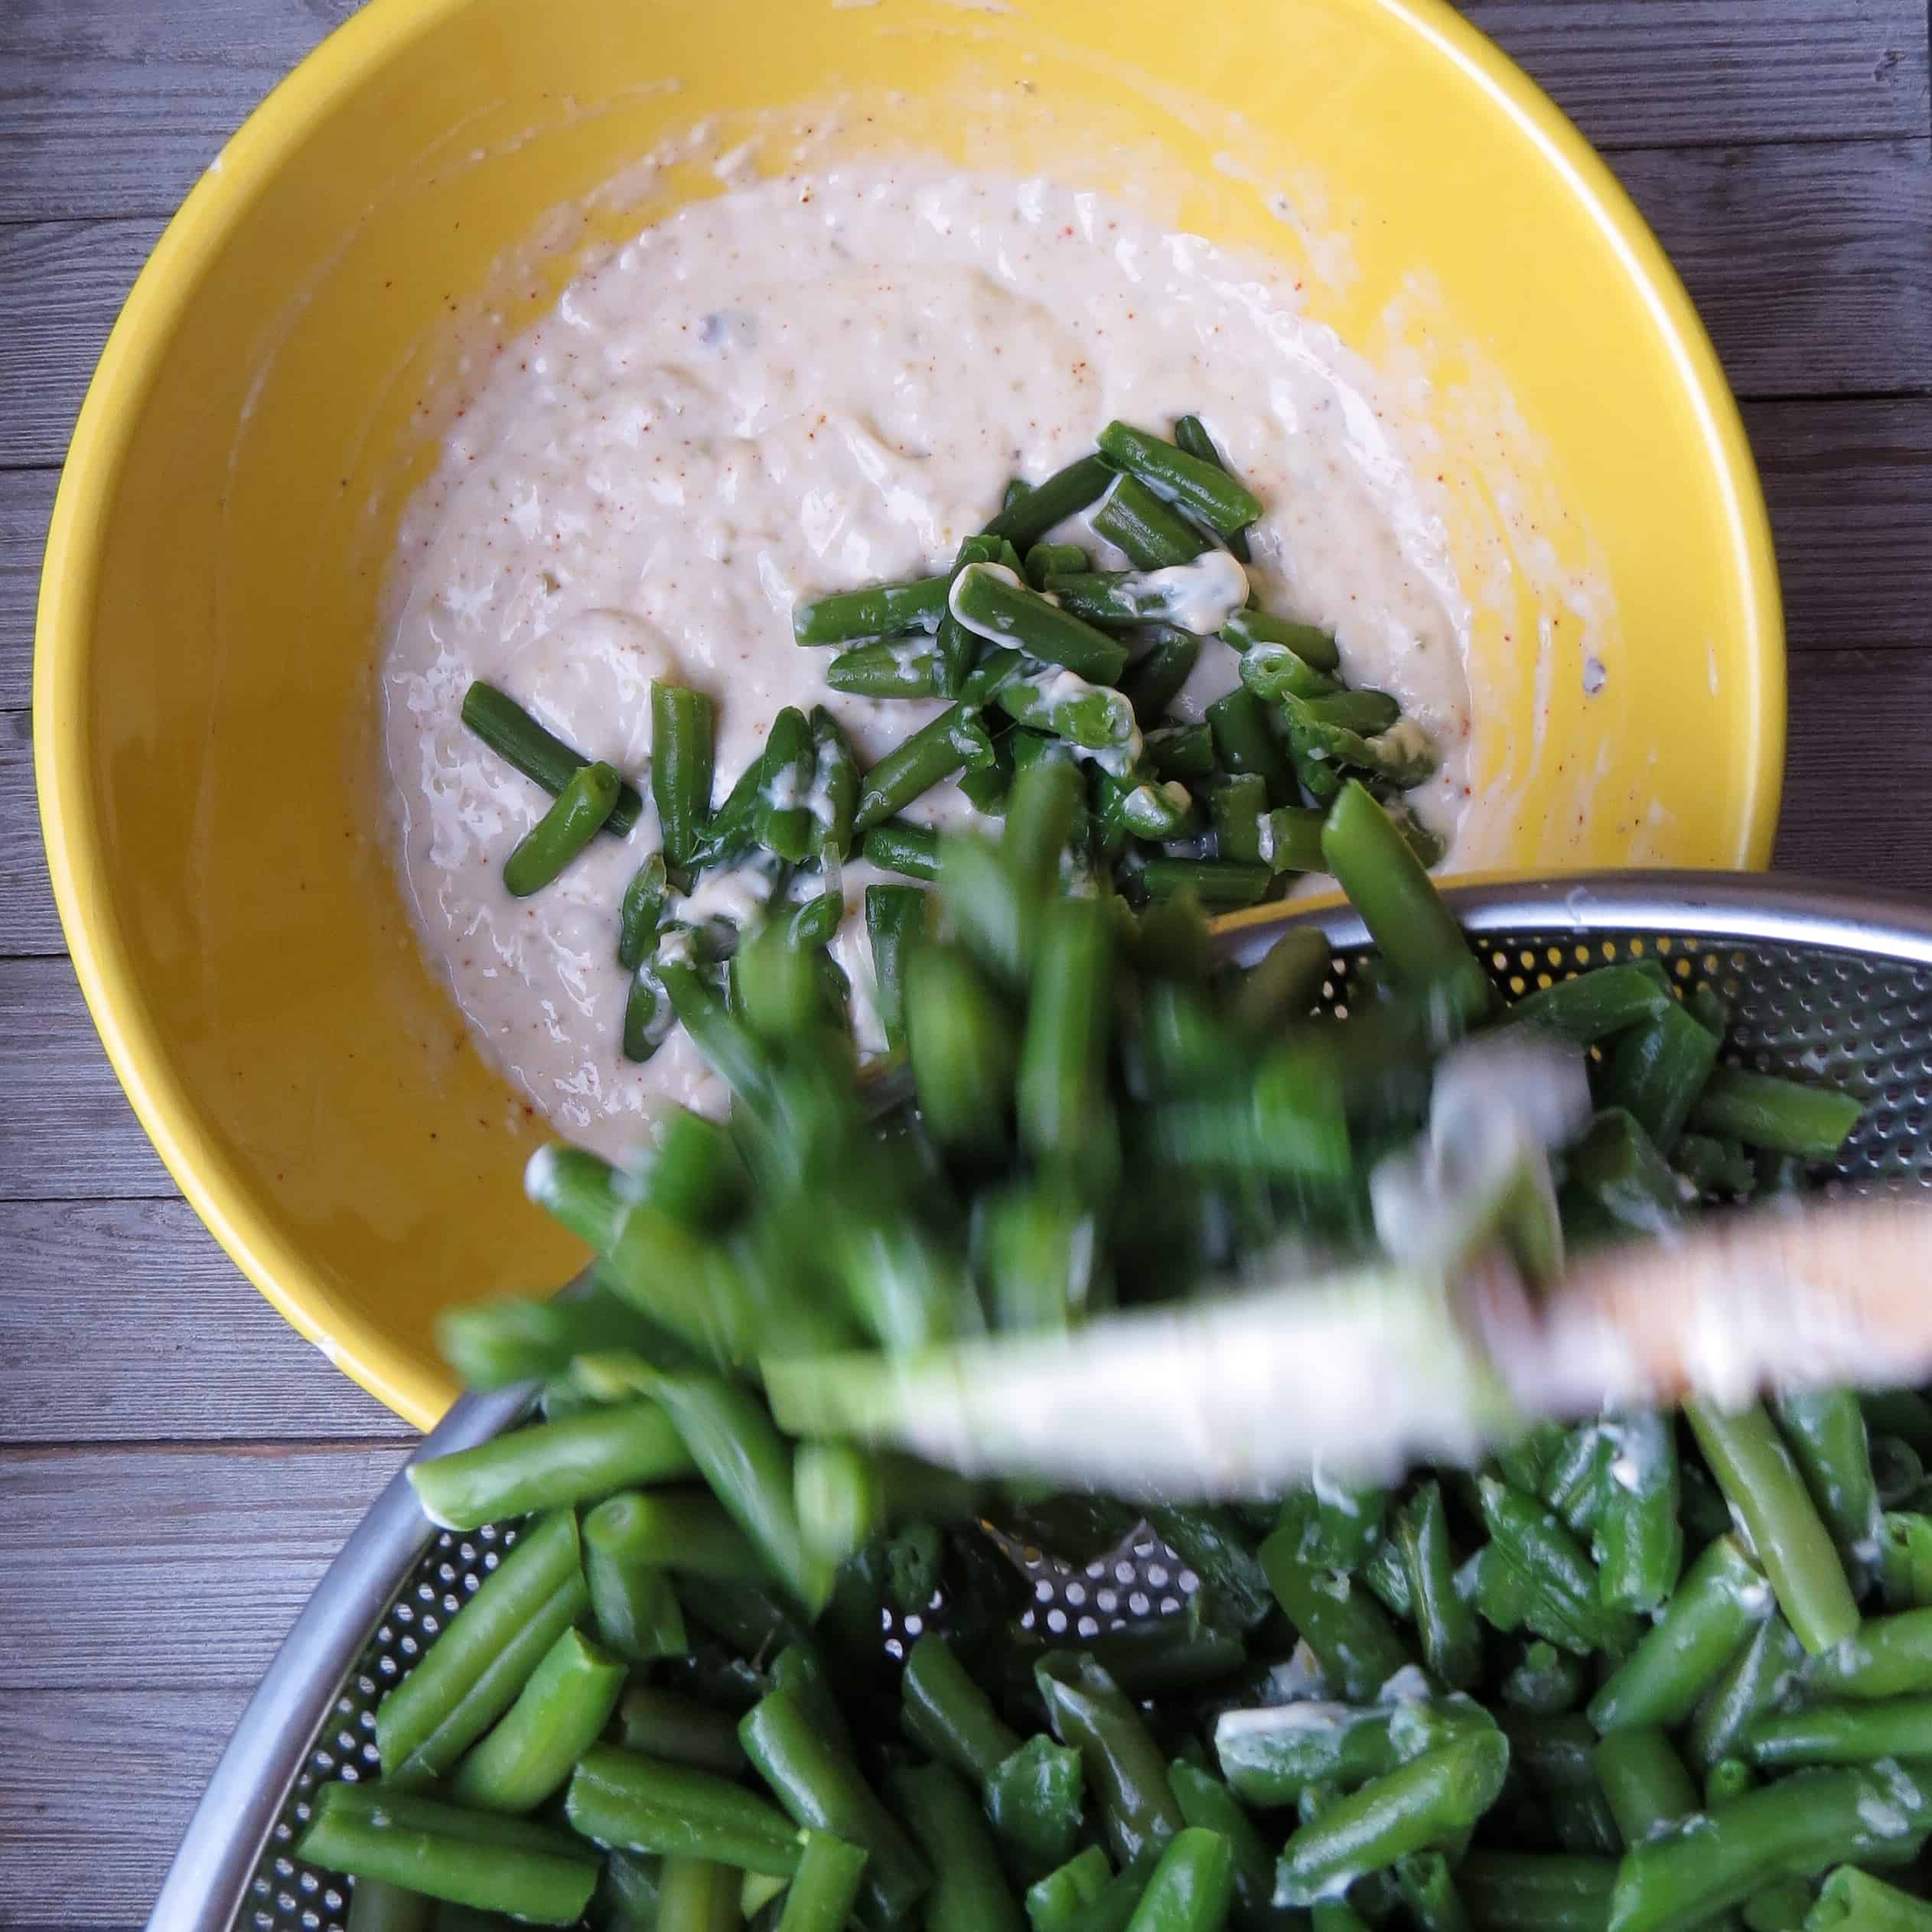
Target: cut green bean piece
(632,1603)
(472,1676)
(964,1054)
(1025,519)
(1220,885)
(1314,646)
(1640,1540)
(1198,596)
(639,911)
(888,668)
(1657,1071)
(1529,1891)
(1452,1639)
(1204,490)
(1190,433)
(1857,1902)
(550,1465)
(1756,1679)
(1886,1657)
(880,611)
(1153,534)
(682,1529)
(948,1715)
(1272,672)
(541,757)
(1155,679)
(1561,1598)
(1645,1783)
(1544,1680)
(1191,1888)
(1841,1734)
(1045,560)
(1181,750)
(1247,743)
(970,1891)
(1053,1902)
(639,1804)
(783,819)
(1208,1805)
(1593,1005)
(1387,884)
(995,605)
(955,739)
(375,1907)
(647,1017)
(1358,1647)
(896,846)
(1368,713)
(897,918)
(572,822)
(1065,1115)
(1272,1755)
(558,1716)
(1090,1714)
(1723,1598)
(1826,1431)
(682,745)
(1033,1800)
(1760,1480)
(821,1898)
(1809,1123)
(665,1724)
(466,1857)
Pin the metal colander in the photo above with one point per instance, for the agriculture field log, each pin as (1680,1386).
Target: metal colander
(1828,986)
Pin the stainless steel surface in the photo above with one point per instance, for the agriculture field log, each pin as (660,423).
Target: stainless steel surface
(1830,986)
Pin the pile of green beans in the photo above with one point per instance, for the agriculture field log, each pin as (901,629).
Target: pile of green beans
(1036,656)
(1646,1672)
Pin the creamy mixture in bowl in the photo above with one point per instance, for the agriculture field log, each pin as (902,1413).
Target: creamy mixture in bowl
(801,386)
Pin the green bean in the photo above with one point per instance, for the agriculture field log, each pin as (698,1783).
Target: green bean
(1238,802)
(1312,645)
(1593,1006)
(1760,1481)
(1573,1483)
(617,1798)
(1089,715)
(1219,884)
(375,1907)
(1036,1247)
(1782,1906)
(1809,1123)
(897,918)
(1053,1902)
(739,1453)
(1247,743)
(1641,1539)
(1905,1560)
(557,1717)
(947,1715)
(1519,1891)
(1755,1680)
(1826,1431)
(1841,1734)
(1180,750)
(727,834)
(1273,671)
(1194,595)
(799,1669)
(1143,807)
(682,1529)
(1886,1657)
(1154,535)
(1125,1769)
(1645,1783)
(1064,1113)
(467,1858)
(993,603)
(880,610)
(699,1895)
(1406,916)
(543,757)
(639,911)
(1860,1903)
(549,1465)
(1799,1826)
(1033,1802)
(1424,1803)
(1286,983)
(970,1891)
(571,823)
(665,1725)
(1203,489)
(1720,1167)
(833,799)
(1191,1888)
(1215,1545)
(1903,1412)
(1190,433)
(1045,560)
(1368,713)
(809,925)
(1544,1680)
(896,846)
(472,1675)
(1402,757)
(1452,1641)
(682,749)
(491,1344)
(1896,1470)
(822,1789)
(889,668)
(632,1603)
(1358,1647)
(1039,821)
(647,1017)
(964,1055)
(996,669)
(1703,1627)
(1656,1070)
(1026,520)
(995,915)
(1618,1167)
(831,1874)
(783,819)
(1428,1887)
(1154,679)
(1112,1909)
(1208,1805)
(1271,1755)
(1728,1779)
(1562,1599)
(954,739)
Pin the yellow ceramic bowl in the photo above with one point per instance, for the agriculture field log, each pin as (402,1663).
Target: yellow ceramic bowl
(204,696)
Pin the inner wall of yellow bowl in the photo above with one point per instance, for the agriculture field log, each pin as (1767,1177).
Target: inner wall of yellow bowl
(364,1160)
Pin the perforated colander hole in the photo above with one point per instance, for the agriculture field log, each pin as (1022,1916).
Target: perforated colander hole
(1138,1602)
(1076,1594)
(1106,1601)
(1057,1621)
(1089,1626)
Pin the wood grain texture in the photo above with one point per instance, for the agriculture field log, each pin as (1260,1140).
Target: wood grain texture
(28,924)
(116,108)
(1849,484)
(97,1787)
(101,1542)
(1858,715)
(1650,72)
(26,503)
(123,1321)
(67,1132)
(1810,265)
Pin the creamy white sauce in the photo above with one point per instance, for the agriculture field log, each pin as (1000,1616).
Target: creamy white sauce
(801,386)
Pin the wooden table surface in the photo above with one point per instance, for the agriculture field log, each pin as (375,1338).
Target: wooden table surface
(176,1466)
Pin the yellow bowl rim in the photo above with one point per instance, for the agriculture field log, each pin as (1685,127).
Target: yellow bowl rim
(70,581)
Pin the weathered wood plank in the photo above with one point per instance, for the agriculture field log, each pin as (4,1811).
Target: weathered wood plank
(177,1346)
(115,106)
(28,922)
(1809,264)
(1652,73)
(1850,488)
(26,503)
(67,1132)
(1858,800)
(84,1846)
(101,1542)
(61,285)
